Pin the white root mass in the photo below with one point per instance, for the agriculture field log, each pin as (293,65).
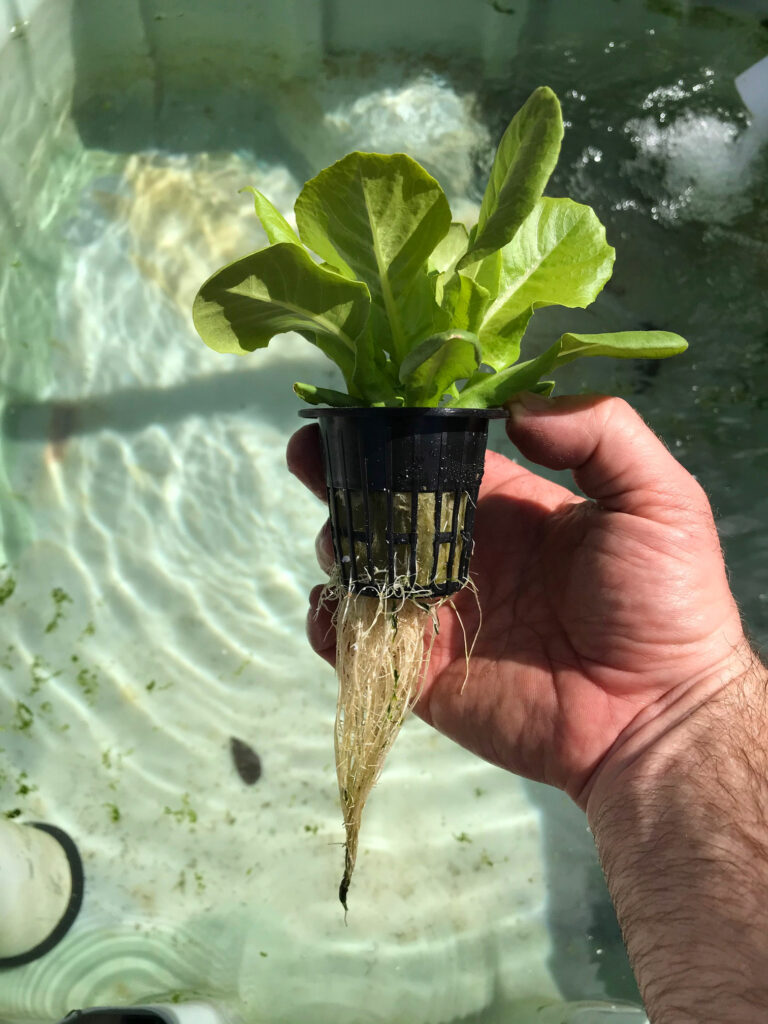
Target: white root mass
(380,663)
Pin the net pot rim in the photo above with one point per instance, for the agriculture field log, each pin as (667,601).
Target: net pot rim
(401,412)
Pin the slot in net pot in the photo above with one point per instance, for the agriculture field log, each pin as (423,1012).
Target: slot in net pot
(402,490)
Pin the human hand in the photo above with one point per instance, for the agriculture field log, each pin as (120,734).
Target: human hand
(602,619)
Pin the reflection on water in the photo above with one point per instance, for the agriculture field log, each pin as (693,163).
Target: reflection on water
(161,553)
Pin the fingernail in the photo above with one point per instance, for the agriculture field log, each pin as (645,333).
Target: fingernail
(529,401)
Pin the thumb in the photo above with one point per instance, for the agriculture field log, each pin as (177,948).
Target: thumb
(616,459)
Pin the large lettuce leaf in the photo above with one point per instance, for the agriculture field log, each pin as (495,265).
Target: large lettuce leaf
(245,304)
(559,256)
(524,161)
(492,389)
(380,217)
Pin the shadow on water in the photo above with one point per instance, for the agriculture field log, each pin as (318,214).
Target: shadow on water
(132,409)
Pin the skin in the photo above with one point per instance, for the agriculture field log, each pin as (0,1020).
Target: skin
(597,614)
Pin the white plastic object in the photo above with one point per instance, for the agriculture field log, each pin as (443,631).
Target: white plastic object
(752,85)
(41,886)
(192,1013)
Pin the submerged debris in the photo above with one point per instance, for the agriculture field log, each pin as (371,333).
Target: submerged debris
(246,761)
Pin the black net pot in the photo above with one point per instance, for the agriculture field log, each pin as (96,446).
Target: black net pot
(402,491)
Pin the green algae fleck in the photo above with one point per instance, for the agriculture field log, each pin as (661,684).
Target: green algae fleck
(153,685)
(88,681)
(23,788)
(40,672)
(114,812)
(184,813)
(60,599)
(7,587)
(24,717)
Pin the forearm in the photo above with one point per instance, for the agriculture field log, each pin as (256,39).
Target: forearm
(682,832)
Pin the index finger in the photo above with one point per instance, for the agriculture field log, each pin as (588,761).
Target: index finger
(305,459)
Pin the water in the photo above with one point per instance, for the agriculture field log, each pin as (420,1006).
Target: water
(161,552)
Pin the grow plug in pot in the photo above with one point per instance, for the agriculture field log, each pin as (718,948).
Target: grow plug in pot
(425,320)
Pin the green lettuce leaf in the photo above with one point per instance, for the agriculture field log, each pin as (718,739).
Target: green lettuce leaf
(449,249)
(245,304)
(491,389)
(374,376)
(502,349)
(496,388)
(380,217)
(465,302)
(559,257)
(620,345)
(274,223)
(429,369)
(324,396)
(524,161)
(487,272)
(442,261)
(376,266)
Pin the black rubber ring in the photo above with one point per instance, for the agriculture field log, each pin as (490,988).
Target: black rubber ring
(75,899)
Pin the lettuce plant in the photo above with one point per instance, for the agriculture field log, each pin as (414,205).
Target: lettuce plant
(414,309)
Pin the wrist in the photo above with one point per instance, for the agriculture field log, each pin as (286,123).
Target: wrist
(709,712)
(680,818)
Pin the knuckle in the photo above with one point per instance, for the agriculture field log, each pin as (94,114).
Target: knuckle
(618,413)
